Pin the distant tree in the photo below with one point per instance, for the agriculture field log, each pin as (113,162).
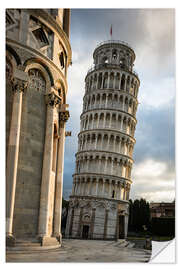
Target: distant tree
(130,222)
(139,215)
(65,205)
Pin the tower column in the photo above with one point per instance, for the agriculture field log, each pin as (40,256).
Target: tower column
(120,191)
(19,85)
(103,186)
(110,188)
(115,191)
(97,181)
(119,81)
(114,81)
(108,81)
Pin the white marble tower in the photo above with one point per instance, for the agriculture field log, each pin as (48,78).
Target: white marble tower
(98,207)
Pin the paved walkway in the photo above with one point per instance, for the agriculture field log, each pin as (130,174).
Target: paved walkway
(73,250)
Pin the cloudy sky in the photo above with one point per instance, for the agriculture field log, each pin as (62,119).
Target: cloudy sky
(151,33)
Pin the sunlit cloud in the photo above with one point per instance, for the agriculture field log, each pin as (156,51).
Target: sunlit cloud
(153,181)
(149,167)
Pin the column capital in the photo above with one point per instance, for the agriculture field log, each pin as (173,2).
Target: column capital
(64,116)
(52,99)
(19,85)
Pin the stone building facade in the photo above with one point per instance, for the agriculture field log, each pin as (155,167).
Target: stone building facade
(98,207)
(38,54)
(163,209)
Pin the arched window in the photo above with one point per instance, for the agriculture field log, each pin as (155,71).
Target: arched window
(122,62)
(40,37)
(114,54)
(113,194)
(61,59)
(123,82)
(105,60)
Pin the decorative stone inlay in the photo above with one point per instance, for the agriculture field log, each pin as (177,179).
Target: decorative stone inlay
(37,81)
(86,218)
(19,85)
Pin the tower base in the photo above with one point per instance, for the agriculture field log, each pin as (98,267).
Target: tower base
(97,218)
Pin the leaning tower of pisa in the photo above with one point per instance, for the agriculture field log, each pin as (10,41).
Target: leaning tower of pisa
(98,207)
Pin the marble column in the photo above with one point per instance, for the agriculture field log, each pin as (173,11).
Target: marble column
(106,101)
(52,101)
(101,87)
(105,165)
(100,165)
(105,223)
(110,189)
(96,142)
(110,121)
(125,83)
(112,166)
(115,191)
(114,145)
(120,191)
(96,187)
(97,126)
(88,161)
(119,82)
(114,81)
(103,186)
(18,87)
(108,82)
(119,146)
(63,117)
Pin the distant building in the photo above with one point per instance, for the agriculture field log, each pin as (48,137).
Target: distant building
(38,54)
(162,209)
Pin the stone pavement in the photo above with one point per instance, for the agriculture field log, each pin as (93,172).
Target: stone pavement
(74,250)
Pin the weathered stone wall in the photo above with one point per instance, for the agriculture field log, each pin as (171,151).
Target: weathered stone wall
(29,172)
(75,222)
(99,223)
(111,224)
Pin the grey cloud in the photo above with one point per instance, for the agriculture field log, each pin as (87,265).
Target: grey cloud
(155,134)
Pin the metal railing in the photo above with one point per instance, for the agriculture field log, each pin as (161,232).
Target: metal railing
(114,41)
